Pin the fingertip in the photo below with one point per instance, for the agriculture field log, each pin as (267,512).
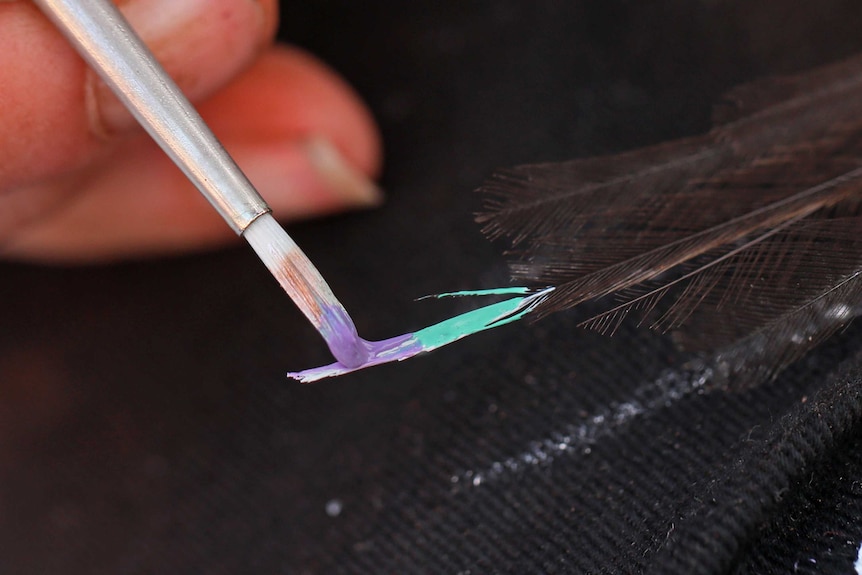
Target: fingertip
(289,94)
(306,178)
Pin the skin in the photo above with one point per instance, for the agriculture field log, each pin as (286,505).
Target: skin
(80,182)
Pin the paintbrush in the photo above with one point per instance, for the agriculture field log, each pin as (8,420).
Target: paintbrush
(103,37)
(107,42)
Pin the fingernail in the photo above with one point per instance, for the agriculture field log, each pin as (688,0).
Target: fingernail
(201,43)
(305,179)
(342,179)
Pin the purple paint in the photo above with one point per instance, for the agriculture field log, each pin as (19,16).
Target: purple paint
(396,348)
(344,342)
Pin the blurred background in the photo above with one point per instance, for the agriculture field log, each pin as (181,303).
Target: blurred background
(146,425)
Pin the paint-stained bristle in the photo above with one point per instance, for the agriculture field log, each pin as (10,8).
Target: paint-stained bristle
(307,288)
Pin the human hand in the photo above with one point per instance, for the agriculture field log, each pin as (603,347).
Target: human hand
(80,181)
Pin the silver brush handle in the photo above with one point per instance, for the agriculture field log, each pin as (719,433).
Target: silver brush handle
(107,42)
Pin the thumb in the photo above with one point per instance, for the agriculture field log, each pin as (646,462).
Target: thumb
(69,116)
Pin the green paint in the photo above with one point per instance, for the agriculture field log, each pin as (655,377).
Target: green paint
(481,292)
(471,322)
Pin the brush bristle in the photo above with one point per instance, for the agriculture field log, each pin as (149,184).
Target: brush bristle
(307,288)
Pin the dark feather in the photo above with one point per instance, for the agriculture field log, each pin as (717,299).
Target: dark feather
(751,233)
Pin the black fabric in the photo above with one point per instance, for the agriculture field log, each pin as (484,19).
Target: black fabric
(146,425)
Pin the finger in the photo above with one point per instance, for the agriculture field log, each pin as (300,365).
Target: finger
(290,93)
(271,119)
(57,116)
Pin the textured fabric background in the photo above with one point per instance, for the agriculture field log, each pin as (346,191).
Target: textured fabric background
(146,425)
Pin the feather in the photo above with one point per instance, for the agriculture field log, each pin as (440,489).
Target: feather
(746,241)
